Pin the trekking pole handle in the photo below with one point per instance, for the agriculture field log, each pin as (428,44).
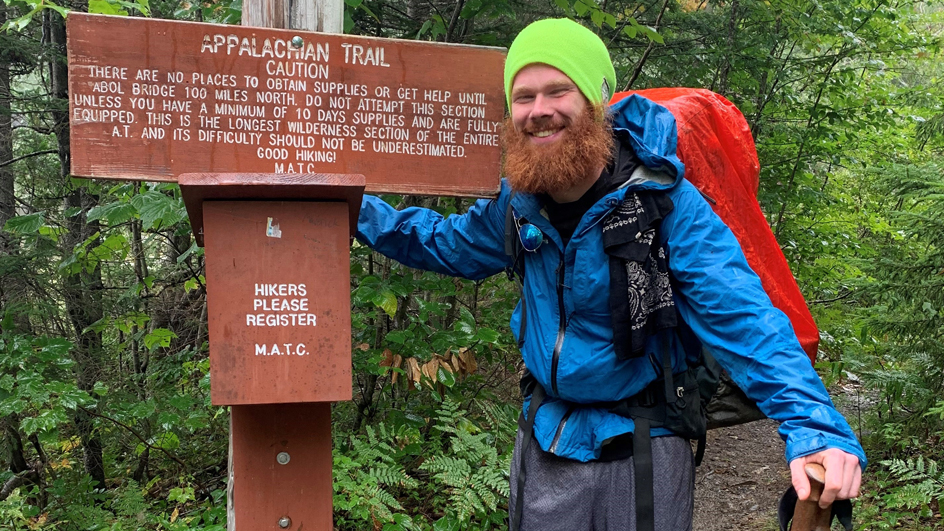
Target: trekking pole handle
(809,516)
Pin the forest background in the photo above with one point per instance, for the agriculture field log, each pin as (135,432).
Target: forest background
(105,419)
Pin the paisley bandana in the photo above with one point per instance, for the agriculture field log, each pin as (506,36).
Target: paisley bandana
(641,301)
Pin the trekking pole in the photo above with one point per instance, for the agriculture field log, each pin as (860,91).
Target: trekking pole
(808,515)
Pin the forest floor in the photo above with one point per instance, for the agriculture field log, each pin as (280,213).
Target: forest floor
(744,473)
(741,479)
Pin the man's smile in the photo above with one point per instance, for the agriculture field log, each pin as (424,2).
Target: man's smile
(546,134)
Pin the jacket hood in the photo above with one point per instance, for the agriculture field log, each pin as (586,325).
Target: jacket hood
(653,134)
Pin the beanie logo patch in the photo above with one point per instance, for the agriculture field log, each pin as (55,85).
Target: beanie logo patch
(605,91)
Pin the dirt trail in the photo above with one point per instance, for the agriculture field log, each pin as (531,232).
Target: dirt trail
(741,479)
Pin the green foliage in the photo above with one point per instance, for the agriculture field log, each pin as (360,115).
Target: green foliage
(37,385)
(119,7)
(475,475)
(363,475)
(457,470)
(31,8)
(922,484)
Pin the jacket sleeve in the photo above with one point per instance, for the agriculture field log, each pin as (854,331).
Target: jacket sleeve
(726,306)
(470,245)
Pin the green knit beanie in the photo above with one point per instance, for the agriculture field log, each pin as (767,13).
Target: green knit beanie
(569,47)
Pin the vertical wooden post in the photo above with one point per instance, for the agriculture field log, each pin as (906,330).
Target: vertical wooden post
(312,15)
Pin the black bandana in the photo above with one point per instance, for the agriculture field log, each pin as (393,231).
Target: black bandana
(640,293)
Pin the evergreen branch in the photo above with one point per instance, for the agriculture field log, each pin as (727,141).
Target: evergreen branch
(834,299)
(28,155)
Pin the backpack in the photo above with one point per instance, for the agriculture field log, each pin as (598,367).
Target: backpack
(717,148)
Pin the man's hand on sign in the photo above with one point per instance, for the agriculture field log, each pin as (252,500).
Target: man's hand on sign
(843,475)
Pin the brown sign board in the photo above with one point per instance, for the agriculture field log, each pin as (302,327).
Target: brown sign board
(278,293)
(153,99)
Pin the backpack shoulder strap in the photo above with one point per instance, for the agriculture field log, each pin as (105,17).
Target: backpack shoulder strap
(515,269)
(512,245)
(513,248)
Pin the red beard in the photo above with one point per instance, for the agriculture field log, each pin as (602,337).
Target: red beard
(586,146)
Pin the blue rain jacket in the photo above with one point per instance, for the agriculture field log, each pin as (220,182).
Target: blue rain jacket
(568,344)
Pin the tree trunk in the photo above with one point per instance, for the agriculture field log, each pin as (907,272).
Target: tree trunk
(13,292)
(82,291)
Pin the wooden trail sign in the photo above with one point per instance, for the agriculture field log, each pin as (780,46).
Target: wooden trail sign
(152,99)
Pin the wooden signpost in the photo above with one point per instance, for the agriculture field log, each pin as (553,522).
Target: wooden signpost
(273,136)
(178,97)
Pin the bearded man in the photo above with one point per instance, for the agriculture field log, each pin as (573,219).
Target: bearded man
(627,275)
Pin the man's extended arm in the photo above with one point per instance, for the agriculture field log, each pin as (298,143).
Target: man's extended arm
(728,309)
(469,245)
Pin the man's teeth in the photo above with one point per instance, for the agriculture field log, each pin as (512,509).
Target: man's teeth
(543,134)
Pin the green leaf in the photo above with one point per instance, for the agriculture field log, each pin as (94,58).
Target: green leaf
(447,523)
(98,326)
(63,11)
(486,335)
(563,4)
(54,347)
(112,213)
(51,233)
(140,6)
(191,284)
(630,31)
(158,210)
(424,28)
(597,18)
(104,7)
(190,250)
(581,8)
(387,301)
(653,35)
(398,336)
(6,382)
(445,377)
(180,495)
(26,224)
(159,337)
(114,247)
(168,420)
(143,410)
(182,402)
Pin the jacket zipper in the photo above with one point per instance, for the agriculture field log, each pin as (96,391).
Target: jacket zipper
(560,430)
(555,359)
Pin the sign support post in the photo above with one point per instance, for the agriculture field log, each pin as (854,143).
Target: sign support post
(273,492)
(278,293)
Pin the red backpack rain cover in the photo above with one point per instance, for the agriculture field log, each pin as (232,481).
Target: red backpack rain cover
(716,146)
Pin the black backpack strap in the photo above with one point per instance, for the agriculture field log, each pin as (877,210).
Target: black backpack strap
(642,468)
(671,393)
(515,252)
(526,425)
(642,449)
(512,245)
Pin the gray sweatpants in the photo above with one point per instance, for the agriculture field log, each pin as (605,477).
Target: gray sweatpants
(565,495)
